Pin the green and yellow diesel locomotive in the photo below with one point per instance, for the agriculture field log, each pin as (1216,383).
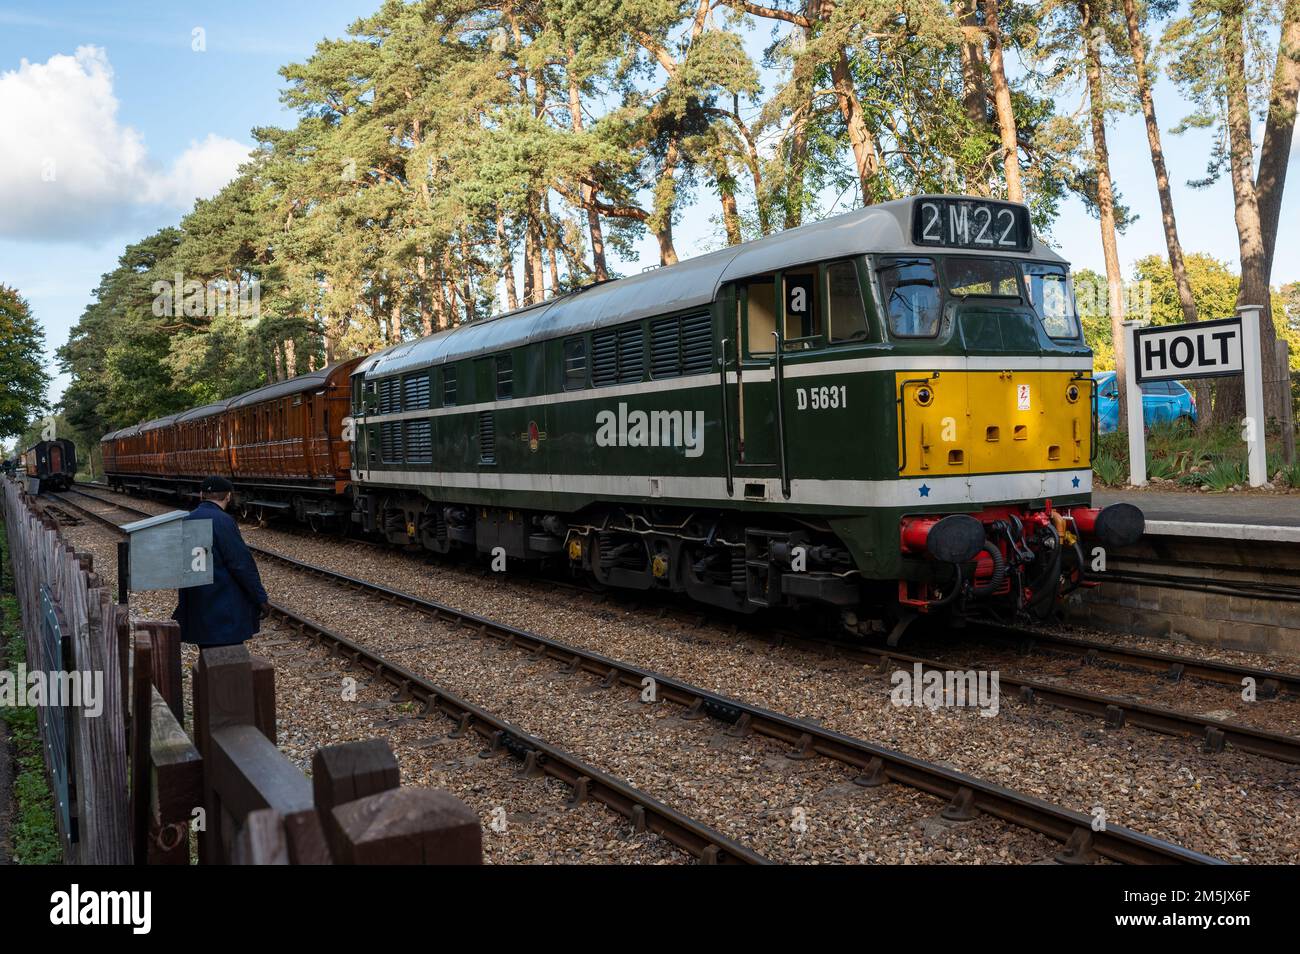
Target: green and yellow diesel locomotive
(890,412)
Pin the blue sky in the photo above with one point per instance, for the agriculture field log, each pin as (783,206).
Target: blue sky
(139,123)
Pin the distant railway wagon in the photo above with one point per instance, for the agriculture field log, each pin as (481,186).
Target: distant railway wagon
(888,413)
(281,445)
(52,463)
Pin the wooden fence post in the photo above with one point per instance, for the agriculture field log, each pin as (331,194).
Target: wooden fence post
(405,826)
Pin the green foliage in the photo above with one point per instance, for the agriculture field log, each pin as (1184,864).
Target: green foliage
(22,363)
(1213,458)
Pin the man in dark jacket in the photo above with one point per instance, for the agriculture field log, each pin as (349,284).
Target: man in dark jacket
(227,610)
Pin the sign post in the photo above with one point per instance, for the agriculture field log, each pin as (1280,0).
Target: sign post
(1202,349)
(1253,425)
(1137,436)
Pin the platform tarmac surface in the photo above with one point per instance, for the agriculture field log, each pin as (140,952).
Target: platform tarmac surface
(1241,515)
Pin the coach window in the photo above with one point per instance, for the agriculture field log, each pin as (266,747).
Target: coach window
(575,364)
(1048,287)
(909,289)
(848,319)
(757,303)
(801,309)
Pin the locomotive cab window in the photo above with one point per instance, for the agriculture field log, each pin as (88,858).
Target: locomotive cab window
(848,319)
(984,277)
(1048,287)
(909,289)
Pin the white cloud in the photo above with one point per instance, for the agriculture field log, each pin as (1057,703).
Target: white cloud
(69,169)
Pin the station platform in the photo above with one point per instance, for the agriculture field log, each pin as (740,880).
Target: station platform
(1230,516)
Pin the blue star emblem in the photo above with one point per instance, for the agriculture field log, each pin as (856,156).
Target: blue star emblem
(1075,482)
(924,490)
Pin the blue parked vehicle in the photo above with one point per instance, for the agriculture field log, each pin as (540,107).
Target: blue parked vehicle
(1163,402)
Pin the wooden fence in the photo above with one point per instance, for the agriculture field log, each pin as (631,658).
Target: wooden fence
(229,784)
(70,629)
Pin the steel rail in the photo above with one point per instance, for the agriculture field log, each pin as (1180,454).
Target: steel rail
(877,764)
(1173,665)
(1118,711)
(539,757)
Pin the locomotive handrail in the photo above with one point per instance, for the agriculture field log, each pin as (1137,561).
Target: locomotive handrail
(1092,403)
(726,420)
(778,370)
(902,414)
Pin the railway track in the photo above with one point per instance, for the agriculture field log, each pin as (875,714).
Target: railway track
(1117,711)
(876,765)
(537,756)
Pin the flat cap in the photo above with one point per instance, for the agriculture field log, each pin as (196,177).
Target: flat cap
(216,485)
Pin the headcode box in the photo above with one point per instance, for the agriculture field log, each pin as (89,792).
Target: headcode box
(170,553)
(1201,349)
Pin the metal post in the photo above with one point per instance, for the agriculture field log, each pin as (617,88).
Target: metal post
(1288,418)
(123,571)
(1137,437)
(1253,381)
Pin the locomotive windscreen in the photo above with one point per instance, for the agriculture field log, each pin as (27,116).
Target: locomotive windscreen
(971,223)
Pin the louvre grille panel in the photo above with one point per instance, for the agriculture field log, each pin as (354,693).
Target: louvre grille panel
(631,360)
(665,348)
(604,358)
(417,392)
(419,442)
(697,344)
(487,438)
(390,442)
(390,397)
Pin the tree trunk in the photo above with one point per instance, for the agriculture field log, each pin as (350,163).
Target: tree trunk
(507,262)
(865,156)
(1254,288)
(1138,49)
(1278,131)
(599,268)
(426,316)
(975,95)
(797,158)
(534,268)
(552,250)
(1105,195)
(665,202)
(730,213)
(1002,103)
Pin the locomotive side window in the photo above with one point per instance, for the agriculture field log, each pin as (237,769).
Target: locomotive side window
(505,370)
(848,319)
(575,364)
(1049,292)
(909,288)
(758,299)
(449,385)
(801,309)
(990,277)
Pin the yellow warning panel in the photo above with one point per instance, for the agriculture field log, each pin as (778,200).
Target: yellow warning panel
(988,422)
